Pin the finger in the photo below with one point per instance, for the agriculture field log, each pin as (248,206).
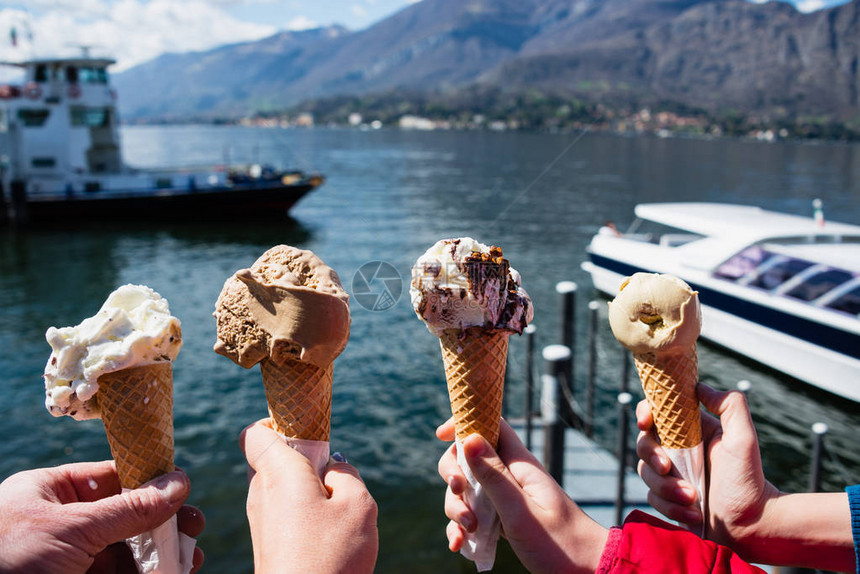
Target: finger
(686,514)
(644,419)
(268,452)
(455,536)
(88,481)
(116,558)
(190,521)
(456,510)
(343,481)
(197,560)
(448,467)
(445,431)
(500,485)
(668,487)
(651,453)
(732,409)
(523,465)
(128,514)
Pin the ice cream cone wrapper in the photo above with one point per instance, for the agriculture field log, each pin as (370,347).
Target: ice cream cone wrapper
(669,382)
(475,361)
(299,397)
(136,406)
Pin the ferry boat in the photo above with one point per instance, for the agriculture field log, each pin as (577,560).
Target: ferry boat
(781,289)
(60,157)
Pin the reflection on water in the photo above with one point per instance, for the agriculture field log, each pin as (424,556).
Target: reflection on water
(389,195)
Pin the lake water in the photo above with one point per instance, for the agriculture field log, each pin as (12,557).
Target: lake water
(390,195)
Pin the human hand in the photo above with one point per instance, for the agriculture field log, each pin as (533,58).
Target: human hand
(737,490)
(545,528)
(74,518)
(298,523)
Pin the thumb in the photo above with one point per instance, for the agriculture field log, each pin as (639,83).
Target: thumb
(501,486)
(342,480)
(132,512)
(731,407)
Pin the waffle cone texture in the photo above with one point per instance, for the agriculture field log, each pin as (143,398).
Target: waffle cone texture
(299,397)
(475,361)
(136,406)
(669,381)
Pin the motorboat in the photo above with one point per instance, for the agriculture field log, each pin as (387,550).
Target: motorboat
(60,157)
(783,290)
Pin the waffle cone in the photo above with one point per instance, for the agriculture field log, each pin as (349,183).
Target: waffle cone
(136,406)
(475,361)
(669,381)
(299,397)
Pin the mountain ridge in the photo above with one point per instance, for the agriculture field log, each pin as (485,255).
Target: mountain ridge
(714,55)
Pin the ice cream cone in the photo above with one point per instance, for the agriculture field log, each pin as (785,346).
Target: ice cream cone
(136,406)
(299,397)
(669,381)
(475,361)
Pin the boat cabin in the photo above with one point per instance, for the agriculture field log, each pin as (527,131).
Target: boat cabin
(60,120)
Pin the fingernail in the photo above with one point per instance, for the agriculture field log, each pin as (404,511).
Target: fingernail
(658,462)
(339,457)
(467,522)
(171,486)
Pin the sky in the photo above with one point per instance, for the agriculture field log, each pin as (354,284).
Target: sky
(134,31)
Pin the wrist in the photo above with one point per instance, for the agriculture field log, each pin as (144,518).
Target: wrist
(806,529)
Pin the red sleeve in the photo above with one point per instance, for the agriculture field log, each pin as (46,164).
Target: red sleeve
(646,544)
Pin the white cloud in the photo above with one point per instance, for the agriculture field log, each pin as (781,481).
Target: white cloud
(811,5)
(131,31)
(301,23)
(358,11)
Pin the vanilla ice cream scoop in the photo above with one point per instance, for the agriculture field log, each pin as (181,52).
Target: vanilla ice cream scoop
(133,328)
(655,313)
(289,304)
(461,283)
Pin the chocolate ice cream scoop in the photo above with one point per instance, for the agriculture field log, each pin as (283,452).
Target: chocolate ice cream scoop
(289,304)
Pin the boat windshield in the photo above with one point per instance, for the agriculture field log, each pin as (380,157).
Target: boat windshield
(664,235)
(794,277)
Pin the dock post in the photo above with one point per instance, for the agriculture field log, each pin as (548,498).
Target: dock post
(530,351)
(555,357)
(567,335)
(3,208)
(624,400)
(594,310)
(819,430)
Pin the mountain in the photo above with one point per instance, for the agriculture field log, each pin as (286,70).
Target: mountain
(715,55)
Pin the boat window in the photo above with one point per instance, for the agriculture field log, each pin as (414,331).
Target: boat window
(847,303)
(819,284)
(72,74)
(43,162)
(743,263)
(778,274)
(40,74)
(90,117)
(93,75)
(33,117)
